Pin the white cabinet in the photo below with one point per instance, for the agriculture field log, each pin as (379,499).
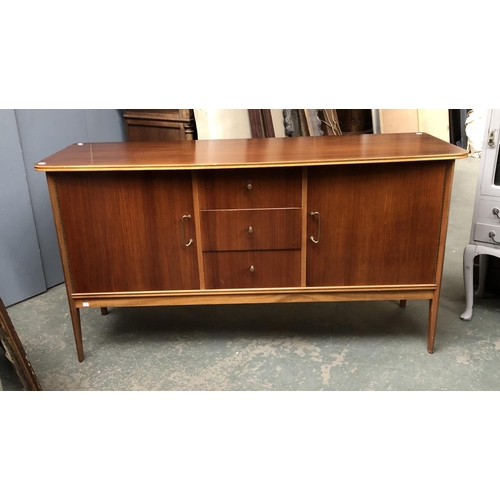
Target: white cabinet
(485,230)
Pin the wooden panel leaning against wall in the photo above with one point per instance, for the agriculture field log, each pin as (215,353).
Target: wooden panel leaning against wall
(238,123)
(188,124)
(432,121)
(153,125)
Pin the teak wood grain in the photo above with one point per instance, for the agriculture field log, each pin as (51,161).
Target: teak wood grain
(255,229)
(377,226)
(123,231)
(243,153)
(380,207)
(272,268)
(269,188)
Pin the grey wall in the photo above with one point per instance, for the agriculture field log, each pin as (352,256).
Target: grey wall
(21,270)
(27,136)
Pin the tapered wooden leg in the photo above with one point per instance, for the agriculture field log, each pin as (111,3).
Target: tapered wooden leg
(77,330)
(104,311)
(402,303)
(433,310)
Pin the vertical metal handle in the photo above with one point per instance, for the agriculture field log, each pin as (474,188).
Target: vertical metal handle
(183,235)
(319,227)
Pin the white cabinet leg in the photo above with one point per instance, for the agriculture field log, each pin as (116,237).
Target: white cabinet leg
(483,268)
(469,254)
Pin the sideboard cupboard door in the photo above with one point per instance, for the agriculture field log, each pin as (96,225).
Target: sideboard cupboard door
(125,231)
(374,224)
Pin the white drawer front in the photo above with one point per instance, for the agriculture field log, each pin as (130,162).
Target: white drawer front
(482,233)
(486,211)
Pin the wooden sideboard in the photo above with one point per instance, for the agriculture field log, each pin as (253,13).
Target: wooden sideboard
(339,218)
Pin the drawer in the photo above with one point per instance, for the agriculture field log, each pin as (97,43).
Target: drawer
(250,188)
(259,269)
(482,233)
(485,211)
(255,229)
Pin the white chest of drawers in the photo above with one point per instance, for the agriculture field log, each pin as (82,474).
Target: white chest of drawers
(485,230)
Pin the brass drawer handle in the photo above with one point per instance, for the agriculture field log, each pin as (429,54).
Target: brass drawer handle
(492,235)
(249,185)
(319,227)
(250,229)
(183,234)
(252,269)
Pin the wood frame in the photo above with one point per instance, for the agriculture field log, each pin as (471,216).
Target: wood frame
(311,122)
(178,123)
(261,123)
(327,152)
(15,352)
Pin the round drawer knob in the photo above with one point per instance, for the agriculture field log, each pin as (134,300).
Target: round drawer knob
(250,229)
(249,186)
(252,269)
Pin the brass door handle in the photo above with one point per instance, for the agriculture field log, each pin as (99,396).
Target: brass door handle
(183,234)
(319,227)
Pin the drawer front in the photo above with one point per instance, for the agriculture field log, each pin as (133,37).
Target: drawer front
(482,233)
(251,229)
(250,188)
(259,269)
(487,211)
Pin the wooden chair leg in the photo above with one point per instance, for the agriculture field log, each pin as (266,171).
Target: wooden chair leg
(104,311)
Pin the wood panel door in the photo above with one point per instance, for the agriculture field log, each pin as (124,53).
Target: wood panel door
(124,230)
(376,224)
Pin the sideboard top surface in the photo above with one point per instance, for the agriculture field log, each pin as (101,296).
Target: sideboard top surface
(239,153)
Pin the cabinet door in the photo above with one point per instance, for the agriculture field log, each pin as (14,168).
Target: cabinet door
(124,230)
(376,224)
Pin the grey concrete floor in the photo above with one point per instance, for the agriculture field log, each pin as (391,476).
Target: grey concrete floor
(310,347)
